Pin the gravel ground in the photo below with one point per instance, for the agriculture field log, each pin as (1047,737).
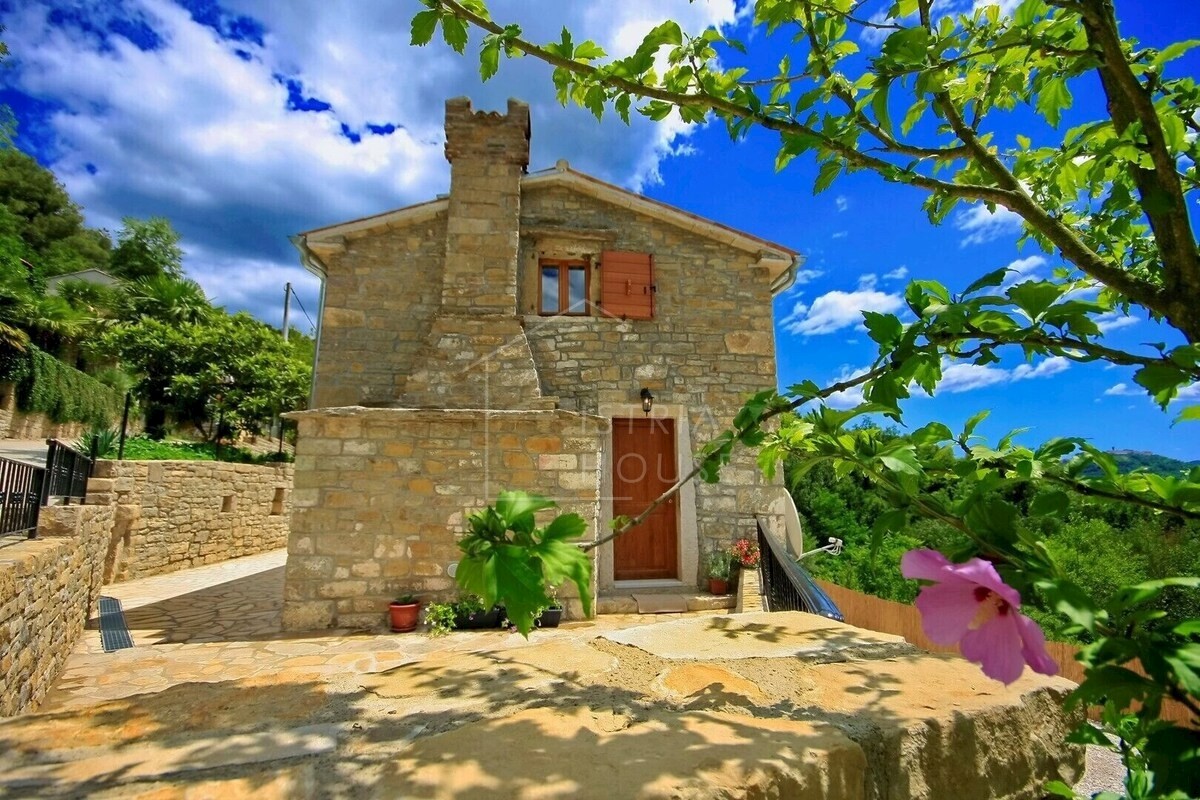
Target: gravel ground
(1104,772)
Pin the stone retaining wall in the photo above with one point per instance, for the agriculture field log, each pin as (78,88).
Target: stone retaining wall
(17,424)
(171,515)
(382,496)
(48,585)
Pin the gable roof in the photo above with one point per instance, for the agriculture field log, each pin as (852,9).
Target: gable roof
(780,261)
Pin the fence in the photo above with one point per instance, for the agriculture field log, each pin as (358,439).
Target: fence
(888,616)
(24,488)
(786,586)
(20,497)
(67,472)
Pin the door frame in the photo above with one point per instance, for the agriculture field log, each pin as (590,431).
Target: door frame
(688,545)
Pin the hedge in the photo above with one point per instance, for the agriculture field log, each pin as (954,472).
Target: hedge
(61,392)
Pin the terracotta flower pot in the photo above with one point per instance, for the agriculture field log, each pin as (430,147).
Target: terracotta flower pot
(404,616)
(718,585)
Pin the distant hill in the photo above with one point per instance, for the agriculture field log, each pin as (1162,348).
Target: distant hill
(1129,460)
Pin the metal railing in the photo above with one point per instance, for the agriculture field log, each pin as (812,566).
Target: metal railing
(787,586)
(20,497)
(67,473)
(25,488)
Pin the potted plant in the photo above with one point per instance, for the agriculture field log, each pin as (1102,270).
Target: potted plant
(551,615)
(469,614)
(404,612)
(744,554)
(718,572)
(439,618)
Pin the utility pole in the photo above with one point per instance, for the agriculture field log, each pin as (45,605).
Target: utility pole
(287,307)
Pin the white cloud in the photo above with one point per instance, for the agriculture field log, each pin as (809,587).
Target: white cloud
(958,377)
(1114,321)
(848,398)
(198,128)
(1188,394)
(867,281)
(874,36)
(982,225)
(1044,369)
(841,234)
(836,310)
(842,202)
(805,276)
(898,274)
(1022,269)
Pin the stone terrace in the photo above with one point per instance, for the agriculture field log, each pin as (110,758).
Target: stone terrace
(213,702)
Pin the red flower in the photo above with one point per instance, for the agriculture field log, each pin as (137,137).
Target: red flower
(745,552)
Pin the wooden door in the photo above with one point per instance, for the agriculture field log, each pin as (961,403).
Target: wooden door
(643,468)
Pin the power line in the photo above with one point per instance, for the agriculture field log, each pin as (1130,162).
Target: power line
(312,325)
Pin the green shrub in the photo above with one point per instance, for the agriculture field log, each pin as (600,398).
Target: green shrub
(63,393)
(143,448)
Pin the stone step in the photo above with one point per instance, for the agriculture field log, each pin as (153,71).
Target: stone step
(626,604)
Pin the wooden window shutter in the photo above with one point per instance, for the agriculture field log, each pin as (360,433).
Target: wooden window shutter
(627,284)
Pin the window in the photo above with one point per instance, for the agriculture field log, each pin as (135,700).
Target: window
(564,288)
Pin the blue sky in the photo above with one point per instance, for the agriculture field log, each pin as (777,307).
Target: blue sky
(248,120)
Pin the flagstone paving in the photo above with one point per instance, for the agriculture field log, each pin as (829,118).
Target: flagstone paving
(214,702)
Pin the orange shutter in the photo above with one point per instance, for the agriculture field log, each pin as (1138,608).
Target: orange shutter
(627,284)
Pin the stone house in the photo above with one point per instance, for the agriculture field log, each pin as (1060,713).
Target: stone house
(504,336)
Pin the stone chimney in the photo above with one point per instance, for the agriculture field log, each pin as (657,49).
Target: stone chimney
(488,153)
(477,355)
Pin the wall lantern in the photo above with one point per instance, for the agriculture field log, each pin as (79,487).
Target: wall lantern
(647,400)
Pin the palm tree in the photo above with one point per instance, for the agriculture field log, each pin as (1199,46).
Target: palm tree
(177,300)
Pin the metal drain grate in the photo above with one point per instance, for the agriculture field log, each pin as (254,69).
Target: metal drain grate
(114,633)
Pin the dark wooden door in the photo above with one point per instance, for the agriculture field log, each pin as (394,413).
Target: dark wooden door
(643,468)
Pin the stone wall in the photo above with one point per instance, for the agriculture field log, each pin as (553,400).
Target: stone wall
(17,424)
(382,496)
(170,515)
(709,347)
(380,297)
(48,585)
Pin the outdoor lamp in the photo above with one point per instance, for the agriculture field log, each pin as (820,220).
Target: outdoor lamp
(647,400)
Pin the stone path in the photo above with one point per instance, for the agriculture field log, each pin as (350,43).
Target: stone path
(214,702)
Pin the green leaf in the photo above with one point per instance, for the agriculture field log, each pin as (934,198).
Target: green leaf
(455,33)
(993,278)
(1112,684)
(423,26)
(829,170)
(1172,52)
(1072,602)
(1128,596)
(1189,414)
(1060,789)
(588,51)
(903,460)
(908,46)
(1053,98)
(893,519)
(1034,297)
(489,58)
(973,422)
(1162,381)
(1086,734)
(1174,757)
(879,104)
(885,329)
(565,526)
(1049,502)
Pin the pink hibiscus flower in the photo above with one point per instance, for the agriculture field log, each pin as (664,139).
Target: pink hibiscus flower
(969,605)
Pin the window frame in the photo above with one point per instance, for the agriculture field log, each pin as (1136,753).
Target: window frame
(564,266)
